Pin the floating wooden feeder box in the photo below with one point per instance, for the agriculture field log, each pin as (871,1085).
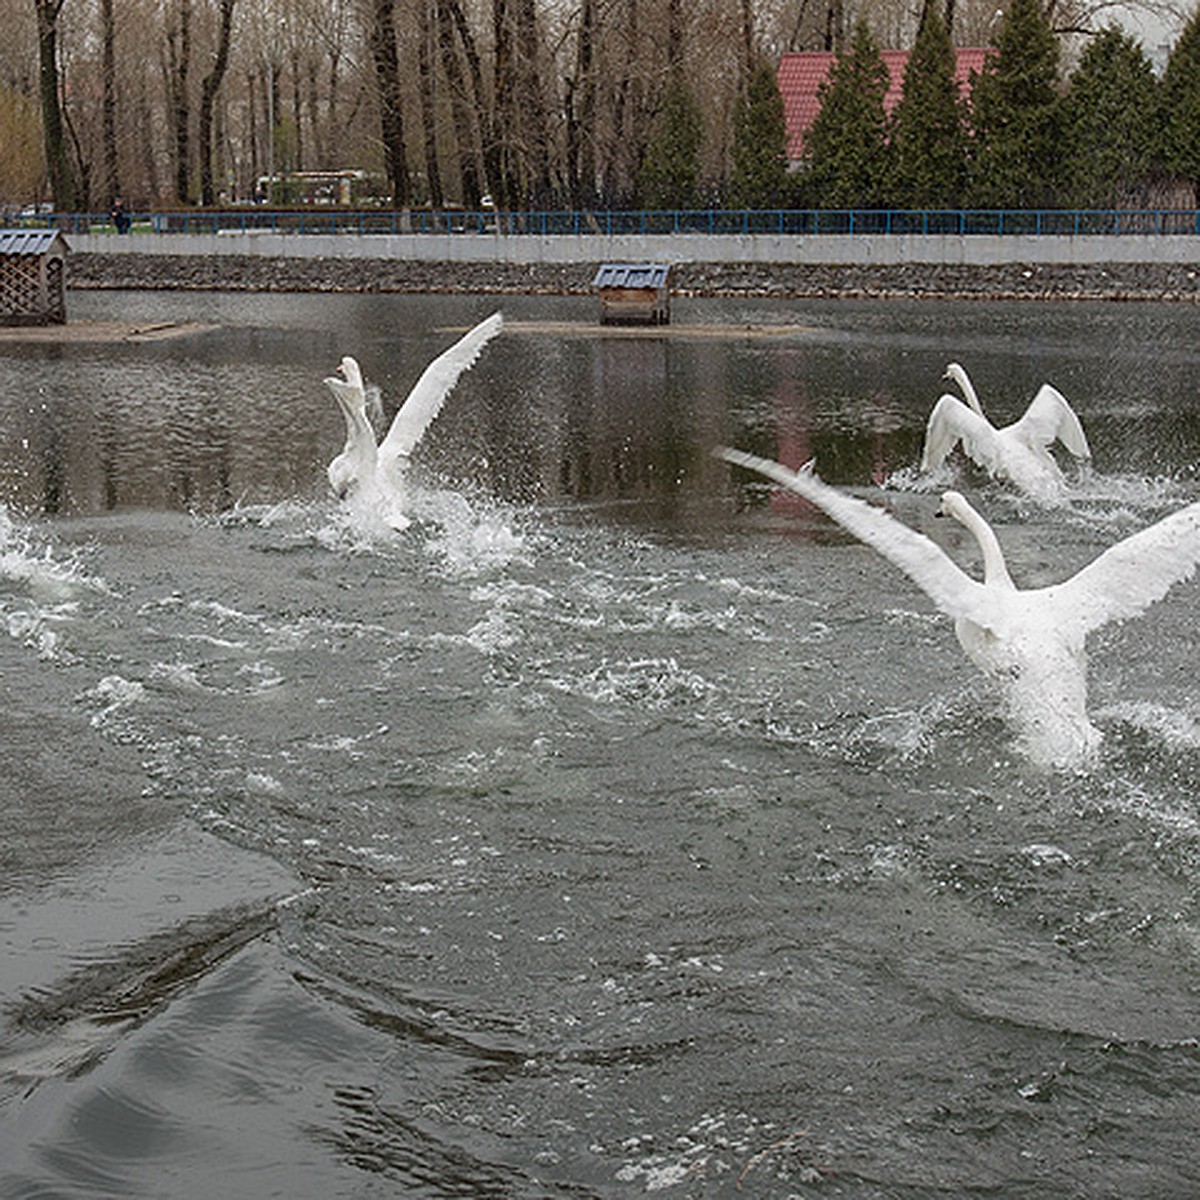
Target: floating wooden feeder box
(634,293)
(32,277)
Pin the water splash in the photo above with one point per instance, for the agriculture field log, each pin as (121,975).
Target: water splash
(1173,730)
(1092,497)
(468,538)
(39,592)
(112,696)
(37,569)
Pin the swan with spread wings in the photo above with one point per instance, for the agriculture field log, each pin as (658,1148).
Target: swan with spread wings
(370,476)
(1020,452)
(1031,641)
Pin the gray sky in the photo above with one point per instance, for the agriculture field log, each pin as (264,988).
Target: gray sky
(1157,33)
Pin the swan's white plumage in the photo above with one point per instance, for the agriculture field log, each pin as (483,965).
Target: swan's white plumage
(425,400)
(358,454)
(1019,452)
(370,475)
(1030,641)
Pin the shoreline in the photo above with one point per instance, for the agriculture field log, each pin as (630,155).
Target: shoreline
(1155,282)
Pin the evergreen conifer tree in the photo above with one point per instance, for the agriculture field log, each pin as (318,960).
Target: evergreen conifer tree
(670,174)
(1016,114)
(846,150)
(760,177)
(929,154)
(1109,123)
(1181,106)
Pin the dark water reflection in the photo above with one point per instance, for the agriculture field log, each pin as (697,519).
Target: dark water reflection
(238,414)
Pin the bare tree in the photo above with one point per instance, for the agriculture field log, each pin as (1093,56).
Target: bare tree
(208,95)
(464,96)
(178,71)
(58,166)
(386,58)
(429,107)
(580,108)
(108,104)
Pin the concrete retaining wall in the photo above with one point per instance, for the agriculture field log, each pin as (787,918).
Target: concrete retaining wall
(523,249)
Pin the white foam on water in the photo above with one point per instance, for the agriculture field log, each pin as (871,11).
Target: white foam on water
(267,516)
(742,590)
(651,683)
(39,591)
(1090,495)
(178,675)
(35,630)
(47,579)
(1169,727)
(913,479)
(1132,492)
(259,783)
(470,539)
(729,1151)
(1131,797)
(1044,854)
(465,537)
(112,696)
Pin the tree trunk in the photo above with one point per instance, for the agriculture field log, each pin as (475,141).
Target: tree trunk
(581,113)
(391,116)
(297,109)
(251,134)
(276,145)
(747,42)
(834,20)
(428,90)
(536,176)
(312,103)
(674,37)
(624,158)
(333,117)
(462,105)
(108,99)
(208,96)
(62,180)
(497,146)
(475,71)
(796,41)
(179,55)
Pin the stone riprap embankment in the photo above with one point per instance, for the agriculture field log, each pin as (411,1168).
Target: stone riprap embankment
(1013,281)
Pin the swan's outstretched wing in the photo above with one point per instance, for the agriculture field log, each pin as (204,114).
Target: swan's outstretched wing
(952,421)
(373,404)
(1048,418)
(1132,575)
(922,560)
(427,397)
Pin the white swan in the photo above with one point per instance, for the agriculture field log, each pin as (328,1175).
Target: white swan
(1031,642)
(1018,452)
(359,451)
(371,476)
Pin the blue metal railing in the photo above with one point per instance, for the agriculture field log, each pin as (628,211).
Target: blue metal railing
(610,222)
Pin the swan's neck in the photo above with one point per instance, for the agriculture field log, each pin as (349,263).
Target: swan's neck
(995,569)
(968,389)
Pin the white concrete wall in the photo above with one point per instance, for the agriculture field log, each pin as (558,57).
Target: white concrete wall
(858,249)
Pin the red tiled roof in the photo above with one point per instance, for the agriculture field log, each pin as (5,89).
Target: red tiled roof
(800,75)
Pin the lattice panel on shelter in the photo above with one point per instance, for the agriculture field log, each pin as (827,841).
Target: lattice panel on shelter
(56,299)
(20,286)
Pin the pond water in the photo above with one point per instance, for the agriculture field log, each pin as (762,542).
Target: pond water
(619,827)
